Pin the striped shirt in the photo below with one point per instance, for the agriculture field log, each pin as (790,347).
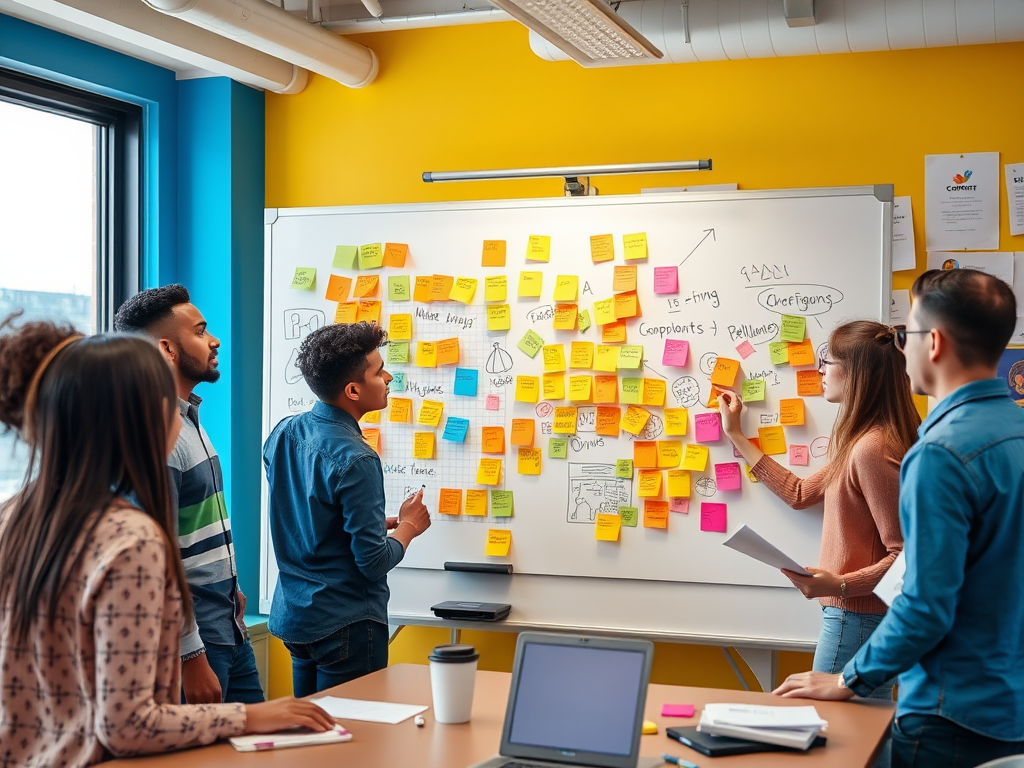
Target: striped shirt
(204,535)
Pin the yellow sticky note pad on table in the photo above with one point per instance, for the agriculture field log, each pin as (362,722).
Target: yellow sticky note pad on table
(421,288)
(368,312)
(499,317)
(607,359)
(724,374)
(791,412)
(648,483)
(463,290)
(676,420)
(493,439)
(522,431)
(580,388)
(565,421)
(493,254)
(495,288)
(538,248)
(634,419)
(772,439)
(530,284)
(498,542)
(423,445)
(678,483)
(581,355)
(527,389)
(400,327)
(338,288)
(624,278)
(566,287)
(346,312)
(614,333)
(401,410)
(565,317)
(670,454)
(654,392)
(529,461)
(476,502)
(449,501)
(554,358)
(366,286)
(604,311)
(801,353)
(426,354)
(553,386)
(489,472)
(634,246)
(695,457)
(448,351)
(608,527)
(602,248)
(606,390)
(430,413)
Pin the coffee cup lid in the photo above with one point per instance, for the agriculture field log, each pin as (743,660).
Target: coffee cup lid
(456,653)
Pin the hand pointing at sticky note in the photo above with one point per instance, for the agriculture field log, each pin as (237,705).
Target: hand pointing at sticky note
(730,407)
(413,519)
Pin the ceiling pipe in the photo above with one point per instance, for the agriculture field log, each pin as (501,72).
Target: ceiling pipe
(270,29)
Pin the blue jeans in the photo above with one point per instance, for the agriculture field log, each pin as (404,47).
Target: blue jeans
(351,652)
(922,741)
(235,667)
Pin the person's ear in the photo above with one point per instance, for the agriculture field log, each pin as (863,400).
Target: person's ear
(167,349)
(351,391)
(940,346)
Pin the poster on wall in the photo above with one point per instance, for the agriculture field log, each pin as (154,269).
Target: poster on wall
(903,252)
(998,264)
(961,201)
(1011,371)
(1015,196)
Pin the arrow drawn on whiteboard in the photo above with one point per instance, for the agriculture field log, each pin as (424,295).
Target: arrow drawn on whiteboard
(818,322)
(713,237)
(646,367)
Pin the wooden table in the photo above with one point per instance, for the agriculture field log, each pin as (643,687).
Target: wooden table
(854,734)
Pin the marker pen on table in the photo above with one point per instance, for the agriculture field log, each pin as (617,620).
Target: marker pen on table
(679,761)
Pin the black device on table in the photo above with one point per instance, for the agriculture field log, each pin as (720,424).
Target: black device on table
(467,611)
(721,746)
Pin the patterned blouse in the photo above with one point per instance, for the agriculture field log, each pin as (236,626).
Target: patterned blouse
(105,679)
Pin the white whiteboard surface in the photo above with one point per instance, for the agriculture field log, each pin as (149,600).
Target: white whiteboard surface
(737,251)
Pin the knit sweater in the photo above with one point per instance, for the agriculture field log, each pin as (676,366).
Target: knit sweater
(861,535)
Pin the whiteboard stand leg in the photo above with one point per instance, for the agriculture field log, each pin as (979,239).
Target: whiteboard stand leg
(393,630)
(456,635)
(764,663)
(736,669)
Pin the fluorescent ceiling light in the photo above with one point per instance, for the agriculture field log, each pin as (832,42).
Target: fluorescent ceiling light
(587,31)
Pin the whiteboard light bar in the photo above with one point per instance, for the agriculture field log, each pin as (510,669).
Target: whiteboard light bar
(567,171)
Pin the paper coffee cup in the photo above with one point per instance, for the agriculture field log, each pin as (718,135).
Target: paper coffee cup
(452,678)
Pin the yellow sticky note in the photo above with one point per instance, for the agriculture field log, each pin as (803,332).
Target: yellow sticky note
(401,410)
(368,312)
(495,288)
(676,420)
(565,317)
(624,279)
(499,317)
(441,287)
(606,390)
(695,457)
(566,287)
(527,389)
(645,454)
(493,440)
(394,254)
(579,388)
(602,248)
(372,438)
(608,527)
(772,439)
(678,483)
(494,253)
(305,278)
(400,327)
(554,358)
(489,472)
(634,246)
(565,421)
(608,421)
(463,290)
(614,333)
(449,501)
(553,386)
(604,311)
(581,354)
(654,392)
(670,454)
(522,431)
(371,417)
(423,445)
(631,356)
(498,542)
(648,483)
(530,284)
(529,461)
(724,374)
(626,305)
(634,419)
(430,413)
(801,353)
(607,359)
(366,286)
(791,412)
(426,354)
(538,248)
(346,312)
(371,256)
(448,351)
(476,502)
(421,288)
(338,288)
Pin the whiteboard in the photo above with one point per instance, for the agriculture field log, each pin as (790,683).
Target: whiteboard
(744,258)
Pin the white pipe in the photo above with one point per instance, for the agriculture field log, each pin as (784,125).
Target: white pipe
(418,21)
(270,29)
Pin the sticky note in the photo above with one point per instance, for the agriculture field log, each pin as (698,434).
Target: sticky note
(626,305)
(606,390)
(366,286)
(371,256)
(566,287)
(565,421)
(607,421)
(554,358)
(498,542)
(624,279)
(676,420)
(426,354)
(304,278)
(522,431)
(581,355)
(631,356)
(558,447)
(493,439)
(772,440)
(502,503)
(655,513)
(676,353)
(670,454)
(791,412)
(629,515)
(753,390)
(372,438)
(492,403)
(602,248)
(423,445)
(727,476)
(345,257)
(397,381)
(695,457)
(632,391)
(395,254)
(634,246)
(793,328)
(529,461)
(448,351)
(371,417)
(495,288)
(584,320)
(499,317)
(712,517)
(648,483)
(634,419)
(654,392)
(441,287)
(678,483)
(430,413)
(725,372)
(679,504)
(463,290)
(400,327)
(338,288)
(476,502)
(745,348)
(493,253)
(779,352)
(449,501)
(666,280)
(613,333)
(552,386)
(607,358)
(607,528)
(604,311)
(527,389)
(401,410)
(466,381)
(398,288)
(538,248)
(531,343)
(368,312)
(421,288)
(645,454)
(624,468)
(802,353)
(488,472)
(580,388)
(798,455)
(808,383)
(346,312)
(455,429)
(707,427)
(398,352)
(565,317)
(677,710)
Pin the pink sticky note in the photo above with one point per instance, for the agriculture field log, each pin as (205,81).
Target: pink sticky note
(712,517)
(798,455)
(679,504)
(708,427)
(677,710)
(746,349)
(727,476)
(492,403)
(666,279)
(676,352)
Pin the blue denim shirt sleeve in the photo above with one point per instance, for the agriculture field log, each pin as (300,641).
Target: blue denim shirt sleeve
(361,485)
(936,519)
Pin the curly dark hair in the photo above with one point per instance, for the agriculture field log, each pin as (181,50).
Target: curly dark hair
(145,308)
(22,349)
(335,355)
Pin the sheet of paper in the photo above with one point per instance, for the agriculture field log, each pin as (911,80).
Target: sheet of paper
(899,308)
(498,541)
(602,248)
(522,431)
(808,383)
(791,412)
(604,311)
(426,354)
(370,711)
(961,201)
(678,483)
(441,287)
(634,419)
(606,389)
(998,264)
(397,381)
(614,333)
(891,584)
(584,320)
(448,351)
(654,391)
(779,352)
(679,504)
(372,438)
(631,356)
(493,253)
(1018,290)
(400,410)
(421,288)
(666,280)
(608,421)
(627,305)
(632,391)
(492,403)
(645,454)
(753,716)
(346,312)
(466,381)
(798,455)
(580,388)
(670,453)
(423,445)
(368,312)
(398,352)
(745,348)
(304,278)
(345,257)
(430,413)
(648,483)
(903,253)
(606,359)
(1015,197)
(772,439)
(801,353)
(371,256)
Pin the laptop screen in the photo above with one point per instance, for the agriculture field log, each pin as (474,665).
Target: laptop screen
(577,698)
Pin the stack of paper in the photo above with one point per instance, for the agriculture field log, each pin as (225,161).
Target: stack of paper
(793,727)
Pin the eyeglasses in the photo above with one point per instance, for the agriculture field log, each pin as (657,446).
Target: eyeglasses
(901,336)
(823,361)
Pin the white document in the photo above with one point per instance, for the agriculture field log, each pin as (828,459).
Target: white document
(371,711)
(1017,340)
(751,544)
(891,584)
(998,264)
(961,201)
(1015,196)
(903,253)
(752,716)
(900,309)
(303,738)
(1018,282)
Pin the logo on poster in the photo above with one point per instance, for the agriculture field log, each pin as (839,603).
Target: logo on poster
(959,180)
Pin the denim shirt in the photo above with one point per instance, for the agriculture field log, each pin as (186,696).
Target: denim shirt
(327,521)
(957,631)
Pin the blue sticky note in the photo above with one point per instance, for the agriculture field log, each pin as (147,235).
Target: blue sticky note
(397,381)
(455,429)
(466,381)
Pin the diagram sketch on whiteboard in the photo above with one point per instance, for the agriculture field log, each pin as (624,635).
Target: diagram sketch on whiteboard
(594,488)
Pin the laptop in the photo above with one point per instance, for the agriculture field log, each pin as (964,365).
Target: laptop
(575,701)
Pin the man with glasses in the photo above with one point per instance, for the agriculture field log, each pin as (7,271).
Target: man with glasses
(956,634)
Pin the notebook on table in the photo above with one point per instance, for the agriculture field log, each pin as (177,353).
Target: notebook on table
(296,737)
(575,701)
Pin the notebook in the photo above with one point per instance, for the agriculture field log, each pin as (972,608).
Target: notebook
(297,737)
(576,701)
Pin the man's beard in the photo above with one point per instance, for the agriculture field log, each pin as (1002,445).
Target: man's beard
(193,369)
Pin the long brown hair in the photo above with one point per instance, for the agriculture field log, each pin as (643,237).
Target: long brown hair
(877,394)
(99,433)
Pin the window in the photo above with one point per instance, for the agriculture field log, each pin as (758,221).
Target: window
(69,213)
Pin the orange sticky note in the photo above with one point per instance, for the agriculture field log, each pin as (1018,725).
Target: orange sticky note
(423,445)
(634,419)
(493,439)
(808,383)
(791,412)
(713,397)
(338,288)
(772,439)
(565,421)
(614,333)
(498,542)
(401,410)
(476,502)
(606,389)
(801,353)
(448,351)
(608,421)
(602,248)
(607,527)
(725,372)
(450,501)
(529,461)
(372,438)
(581,354)
(368,312)
(346,312)
(366,286)
(522,431)
(676,420)
(400,327)
(394,254)
(626,305)
(580,388)
(565,317)
(670,454)
(553,386)
(655,514)
(430,413)
(489,472)
(624,279)
(441,287)
(421,289)
(648,483)
(654,392)
(494,253)
(645,454)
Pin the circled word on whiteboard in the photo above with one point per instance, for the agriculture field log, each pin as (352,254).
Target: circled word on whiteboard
(806,299)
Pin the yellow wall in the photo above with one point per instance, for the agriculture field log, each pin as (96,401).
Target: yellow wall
(476,97)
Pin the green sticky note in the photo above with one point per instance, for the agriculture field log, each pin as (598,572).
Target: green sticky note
(629,516)
(558,447)
(345,257)
(531,343)
(305,278)
(502,504)
(632,391)
(398,288)
(398,352)
(631,356)
(779,351)
(793,328)
(584,320)
(753,390)
(624,468)
(371,256)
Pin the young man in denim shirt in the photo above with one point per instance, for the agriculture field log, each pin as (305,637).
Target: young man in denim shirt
(327,515)
(957,632)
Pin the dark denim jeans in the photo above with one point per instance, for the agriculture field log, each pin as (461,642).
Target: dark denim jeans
(924,741)
(351,652)
(235,667)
